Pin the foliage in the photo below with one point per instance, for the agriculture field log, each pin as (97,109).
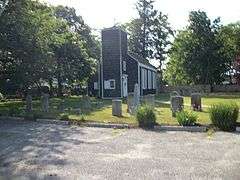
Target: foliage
(224,116)
(196,56)
(3,4)
(150,33)
(146,116)
(185,118)
(13,111)
(230,36)
(64,117)
(38,46)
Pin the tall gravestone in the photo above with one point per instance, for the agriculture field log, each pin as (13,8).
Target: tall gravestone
(28,103)
(130,103)
(45,102)
(196,101)
(86,102)
(176,104)
(136,98)
(117,107)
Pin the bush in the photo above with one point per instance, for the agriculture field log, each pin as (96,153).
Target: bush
(185,118)
(146,117)
(64,117)
(14,111)
(224,116)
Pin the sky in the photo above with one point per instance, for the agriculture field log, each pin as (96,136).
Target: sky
(99,14)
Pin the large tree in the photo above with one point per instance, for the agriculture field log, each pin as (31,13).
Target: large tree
(35,46)
(199,51)
(150,34)
(146,14)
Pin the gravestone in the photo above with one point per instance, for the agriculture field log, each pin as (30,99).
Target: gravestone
(136,98)
(29,103)
(176,104)
(196,101)
(61,106)
(117,107)
(149,100)
(130,105)
(86,102)
(45,102)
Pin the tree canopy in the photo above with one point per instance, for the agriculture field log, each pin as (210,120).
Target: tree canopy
(38,45)
(198,53)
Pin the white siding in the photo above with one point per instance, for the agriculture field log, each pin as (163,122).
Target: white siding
(144,78)
(95,85)
(149,79)
(154,80)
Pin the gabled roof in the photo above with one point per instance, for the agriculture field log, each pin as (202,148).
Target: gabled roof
(141,60)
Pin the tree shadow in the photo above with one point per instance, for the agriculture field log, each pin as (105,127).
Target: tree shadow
(27,146)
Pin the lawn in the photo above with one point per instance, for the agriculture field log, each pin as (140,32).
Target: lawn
(100,110)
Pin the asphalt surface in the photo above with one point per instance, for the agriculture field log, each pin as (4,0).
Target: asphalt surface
(31,150)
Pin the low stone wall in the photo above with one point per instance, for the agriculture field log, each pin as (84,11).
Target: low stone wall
(226,88)
(186,90)
(203,89)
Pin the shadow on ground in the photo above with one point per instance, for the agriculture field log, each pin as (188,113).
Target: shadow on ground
(26,146)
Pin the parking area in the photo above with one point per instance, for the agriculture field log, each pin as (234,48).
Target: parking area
(30,150)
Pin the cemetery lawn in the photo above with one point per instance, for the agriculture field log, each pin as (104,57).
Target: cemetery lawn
(100,110)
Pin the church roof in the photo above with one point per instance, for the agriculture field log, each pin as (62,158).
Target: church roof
(141,60)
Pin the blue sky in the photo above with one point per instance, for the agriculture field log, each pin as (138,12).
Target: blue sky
(104,13)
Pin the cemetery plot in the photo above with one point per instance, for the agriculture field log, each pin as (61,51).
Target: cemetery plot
(98,110)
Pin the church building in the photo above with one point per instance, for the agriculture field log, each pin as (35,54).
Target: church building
(119,69)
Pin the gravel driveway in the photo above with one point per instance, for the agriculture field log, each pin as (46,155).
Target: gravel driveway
(31,150)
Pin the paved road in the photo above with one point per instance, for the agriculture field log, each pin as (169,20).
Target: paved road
(40,151)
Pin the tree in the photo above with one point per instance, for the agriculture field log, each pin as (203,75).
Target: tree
(150,34)
(161,34)
(3,5)
(230,36)
(175,73)
(146,17)
(36,48)
(200,51)
(83,31)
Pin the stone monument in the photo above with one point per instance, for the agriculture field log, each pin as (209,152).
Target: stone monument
(136,98)
(196,101)
(117,107)
(28,103)
(149,100)
(176,104)
(130,103)
(45,102)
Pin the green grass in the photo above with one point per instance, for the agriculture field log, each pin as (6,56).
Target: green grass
(101,111)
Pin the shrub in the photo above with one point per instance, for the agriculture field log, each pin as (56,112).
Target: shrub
(224,116)
(65,117)
(146,117)
(13,111)
(185,118)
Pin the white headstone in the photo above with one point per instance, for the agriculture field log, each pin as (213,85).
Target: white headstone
(136,98)
(130,105)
